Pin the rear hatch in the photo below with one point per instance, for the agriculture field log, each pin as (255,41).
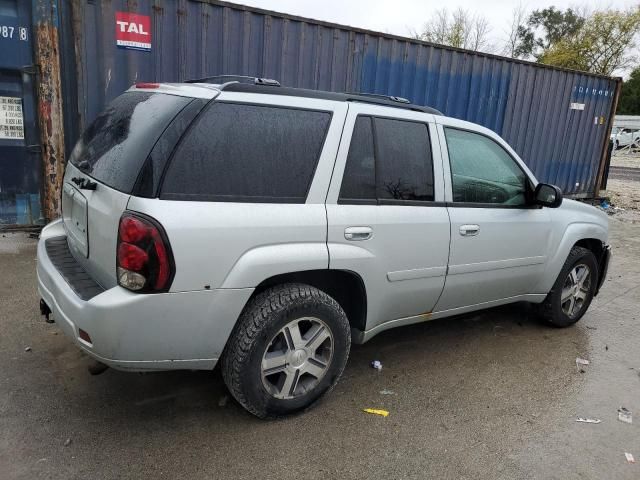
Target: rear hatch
(104,170)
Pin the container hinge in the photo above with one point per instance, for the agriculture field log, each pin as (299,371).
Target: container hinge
(31,69)
(34,148)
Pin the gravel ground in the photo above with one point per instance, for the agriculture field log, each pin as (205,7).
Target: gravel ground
(624,159)
(624,193)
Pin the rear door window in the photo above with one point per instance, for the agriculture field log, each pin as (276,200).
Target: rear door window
(389,160)
(116,144)
(247,153)
(359,179)
(405,165)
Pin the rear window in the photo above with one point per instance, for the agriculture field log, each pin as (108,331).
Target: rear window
(247,153)
(114,147)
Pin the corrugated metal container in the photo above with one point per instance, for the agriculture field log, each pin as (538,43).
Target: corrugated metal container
(557,120)
(528,104)
(20,166)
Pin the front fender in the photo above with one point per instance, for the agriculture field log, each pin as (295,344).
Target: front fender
(573,234)
(264,262)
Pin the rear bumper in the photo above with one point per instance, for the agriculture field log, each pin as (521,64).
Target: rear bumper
(603,266)
(129,331)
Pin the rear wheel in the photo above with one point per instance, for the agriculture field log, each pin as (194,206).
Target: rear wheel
(573,291)
(288,349)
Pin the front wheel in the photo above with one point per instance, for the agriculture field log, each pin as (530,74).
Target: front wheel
(288,349)
(573,291)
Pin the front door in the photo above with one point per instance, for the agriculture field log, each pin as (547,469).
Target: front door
(499,241)
(386,216)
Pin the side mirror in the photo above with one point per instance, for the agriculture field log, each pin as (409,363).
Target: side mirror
(548,195)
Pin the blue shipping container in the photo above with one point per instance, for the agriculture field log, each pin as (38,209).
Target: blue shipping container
(557,120)
(20,165)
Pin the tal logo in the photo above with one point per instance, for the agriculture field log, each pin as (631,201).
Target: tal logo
(133,31)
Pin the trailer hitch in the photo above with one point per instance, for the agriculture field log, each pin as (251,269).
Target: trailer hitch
(46,311)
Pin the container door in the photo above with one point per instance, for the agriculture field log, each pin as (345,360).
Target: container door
(20,177)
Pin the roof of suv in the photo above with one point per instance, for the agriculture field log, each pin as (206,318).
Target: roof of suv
(206,88)
(336,97)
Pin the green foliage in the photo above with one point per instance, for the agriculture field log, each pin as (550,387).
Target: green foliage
(629,103)
(544,28)
(601,45)
(599,42)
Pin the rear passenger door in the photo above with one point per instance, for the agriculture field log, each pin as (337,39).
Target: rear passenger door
(386,216)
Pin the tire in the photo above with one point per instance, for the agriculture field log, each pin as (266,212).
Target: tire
(559,313)
(286,329)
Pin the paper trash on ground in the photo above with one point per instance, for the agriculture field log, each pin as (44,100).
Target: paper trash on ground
(624,415)
(588,420)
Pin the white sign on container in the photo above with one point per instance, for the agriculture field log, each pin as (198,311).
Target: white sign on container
(11,119)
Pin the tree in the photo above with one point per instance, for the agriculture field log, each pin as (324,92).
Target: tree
(458,29)
(629,103)
(545,28)
(518,22)
(601,45)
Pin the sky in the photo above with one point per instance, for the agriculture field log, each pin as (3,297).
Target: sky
(403,16)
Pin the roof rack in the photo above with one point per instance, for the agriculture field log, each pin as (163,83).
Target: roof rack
(227,79)
(377,95)
(388,101)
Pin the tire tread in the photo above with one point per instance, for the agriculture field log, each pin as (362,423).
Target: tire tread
(545,309)
(254,318)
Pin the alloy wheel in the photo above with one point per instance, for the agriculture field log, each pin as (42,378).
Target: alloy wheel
(297,358)
(576,290)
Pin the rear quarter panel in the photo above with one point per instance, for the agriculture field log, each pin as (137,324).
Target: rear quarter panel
(238,245)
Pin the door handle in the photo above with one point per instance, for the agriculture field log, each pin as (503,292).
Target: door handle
(469,230)
(358,233)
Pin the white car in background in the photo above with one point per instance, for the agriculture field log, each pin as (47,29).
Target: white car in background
(623,137)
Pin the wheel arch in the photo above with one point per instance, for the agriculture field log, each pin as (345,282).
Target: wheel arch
(345,286)
(588,235)
(595,245)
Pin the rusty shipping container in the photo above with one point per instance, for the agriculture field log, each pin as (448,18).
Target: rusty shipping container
(557,120)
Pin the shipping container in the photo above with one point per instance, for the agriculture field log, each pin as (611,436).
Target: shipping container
(557,120)
(20,159)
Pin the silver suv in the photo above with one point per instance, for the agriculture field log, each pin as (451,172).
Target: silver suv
(270,227)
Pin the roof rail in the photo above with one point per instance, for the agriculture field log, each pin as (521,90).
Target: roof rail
(393,98)
(396,102)
(225,79)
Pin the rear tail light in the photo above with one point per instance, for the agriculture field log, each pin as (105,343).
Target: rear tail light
(144,258)
(147,85)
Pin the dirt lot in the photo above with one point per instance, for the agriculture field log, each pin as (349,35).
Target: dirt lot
(493,395)
(623,186)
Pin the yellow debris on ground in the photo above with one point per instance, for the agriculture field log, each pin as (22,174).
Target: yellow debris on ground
(374,411)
